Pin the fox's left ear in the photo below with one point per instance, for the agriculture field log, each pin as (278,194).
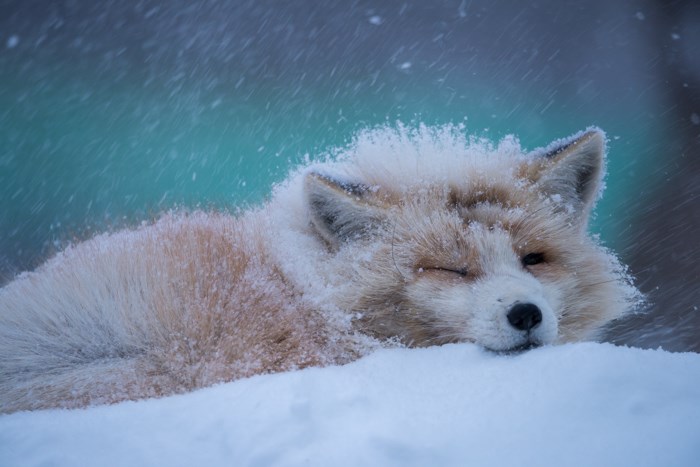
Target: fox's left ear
(571,171)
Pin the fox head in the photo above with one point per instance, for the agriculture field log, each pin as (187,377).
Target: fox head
(499,257)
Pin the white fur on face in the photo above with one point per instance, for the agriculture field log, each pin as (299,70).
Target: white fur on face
(476,310)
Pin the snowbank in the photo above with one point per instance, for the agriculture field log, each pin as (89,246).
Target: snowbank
(584,404)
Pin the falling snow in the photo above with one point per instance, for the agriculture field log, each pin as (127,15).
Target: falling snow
(111,112)
(12,42)
(376,20)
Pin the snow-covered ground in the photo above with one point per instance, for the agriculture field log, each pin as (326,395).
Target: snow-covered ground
(583,404)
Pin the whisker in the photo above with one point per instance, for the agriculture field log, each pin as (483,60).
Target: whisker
(599,283)
(446,338)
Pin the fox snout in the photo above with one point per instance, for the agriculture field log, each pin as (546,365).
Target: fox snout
(524,316)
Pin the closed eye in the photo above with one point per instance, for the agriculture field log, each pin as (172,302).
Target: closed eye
(460,271)
(533,258)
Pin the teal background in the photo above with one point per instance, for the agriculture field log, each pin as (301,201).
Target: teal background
(111,112)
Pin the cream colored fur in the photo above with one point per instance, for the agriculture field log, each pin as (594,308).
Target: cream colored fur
(412,237)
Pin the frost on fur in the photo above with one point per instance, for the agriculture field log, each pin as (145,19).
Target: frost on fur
(411,236)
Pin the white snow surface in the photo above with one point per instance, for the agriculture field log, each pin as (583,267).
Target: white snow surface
(581,404)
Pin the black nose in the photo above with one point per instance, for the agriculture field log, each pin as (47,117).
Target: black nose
(524,316)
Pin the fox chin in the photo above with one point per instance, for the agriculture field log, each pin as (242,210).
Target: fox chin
(411,237)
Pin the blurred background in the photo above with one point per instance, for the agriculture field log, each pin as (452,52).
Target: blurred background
(112,111)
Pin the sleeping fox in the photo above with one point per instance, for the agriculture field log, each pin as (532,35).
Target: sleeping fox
(411,237)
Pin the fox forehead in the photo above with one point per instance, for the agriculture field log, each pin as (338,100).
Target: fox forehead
(510,204)
(495,183)
(457,235)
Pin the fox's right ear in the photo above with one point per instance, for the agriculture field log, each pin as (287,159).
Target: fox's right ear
(572,169)
(341,211)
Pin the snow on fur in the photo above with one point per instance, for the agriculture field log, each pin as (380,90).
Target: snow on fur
(410,236)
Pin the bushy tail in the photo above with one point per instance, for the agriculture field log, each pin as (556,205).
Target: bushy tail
(78,323)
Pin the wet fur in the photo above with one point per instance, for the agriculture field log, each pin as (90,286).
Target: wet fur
(412,237)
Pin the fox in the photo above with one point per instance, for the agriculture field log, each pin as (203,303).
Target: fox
(408,237)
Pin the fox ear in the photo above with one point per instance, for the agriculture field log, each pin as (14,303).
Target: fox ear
(341,211)
(572,170)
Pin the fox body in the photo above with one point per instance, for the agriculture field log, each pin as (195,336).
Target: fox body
(409,237)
